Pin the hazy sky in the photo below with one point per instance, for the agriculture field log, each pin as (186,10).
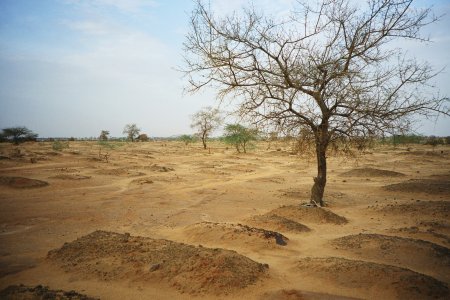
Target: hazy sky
(75,67)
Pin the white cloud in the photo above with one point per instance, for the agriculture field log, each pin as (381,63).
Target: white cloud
(277,8)
(89,27)
(127,5)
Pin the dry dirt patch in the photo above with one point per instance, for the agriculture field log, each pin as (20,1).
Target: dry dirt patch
(439,153)
(21,182)
(419,209)
(113,256)
(429,186)
(70,177)
(371,172)
(374,280)
(142,181)
(21,292)
(300,295)
(316,215)
(158,168)
(416,254)
(208,232)
(119,172)
(427,229)
(277,223)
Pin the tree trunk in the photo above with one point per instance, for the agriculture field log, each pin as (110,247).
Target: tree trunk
(204,141)
(318,189)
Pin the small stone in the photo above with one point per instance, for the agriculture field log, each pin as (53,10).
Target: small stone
(154,267)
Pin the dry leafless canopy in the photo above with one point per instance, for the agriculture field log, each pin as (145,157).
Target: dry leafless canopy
(330,61)
(329,67)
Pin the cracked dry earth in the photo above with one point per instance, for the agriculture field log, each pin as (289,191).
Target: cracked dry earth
(164,221)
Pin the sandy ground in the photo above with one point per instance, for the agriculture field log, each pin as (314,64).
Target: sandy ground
(162,220)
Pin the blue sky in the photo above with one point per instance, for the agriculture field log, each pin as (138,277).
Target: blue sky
(75,67)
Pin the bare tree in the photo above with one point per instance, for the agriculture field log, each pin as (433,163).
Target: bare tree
(206,121)
(104,135)
(330,68)
(132,131)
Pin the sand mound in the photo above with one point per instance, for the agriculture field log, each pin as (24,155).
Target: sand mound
(427,230)
(300,295)
(21,292)
(120,172)
(208,232)
(142,181)
(422,209)
(112,256)
(70,177)
(21,182)
(157,168)
(308,214)
(429,186)
(376,281)
(416,254)
(277,223)
(371,172)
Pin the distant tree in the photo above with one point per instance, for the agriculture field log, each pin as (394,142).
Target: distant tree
(18,134)
(239,136)
(142,138)
(104,135)
(187,139)
(132,131)
(434,141)
(205,122)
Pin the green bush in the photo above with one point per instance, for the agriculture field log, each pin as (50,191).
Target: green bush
(187,139)
(239,136)
(60,146)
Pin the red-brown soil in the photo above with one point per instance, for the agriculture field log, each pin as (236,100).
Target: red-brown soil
(111,256)
(228,209)
(21,292)
(385,281)
(21,182)
(419,255)
(277,223)
(371,172)
(301,295)
(309,214)
(429,186)
(207,232)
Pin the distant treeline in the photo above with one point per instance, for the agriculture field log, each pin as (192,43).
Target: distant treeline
(22,134)
(416,139)
(393,140)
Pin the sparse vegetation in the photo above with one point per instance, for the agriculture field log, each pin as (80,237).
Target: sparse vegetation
(187,139)
(132,131)
(240,136)
(58,145)
(104,135)
(205,122)
(105,147)
(434,141)
(142,138)
(17,135)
